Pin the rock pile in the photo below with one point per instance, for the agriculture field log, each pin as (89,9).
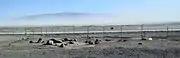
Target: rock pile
(89,42)
(60,43)
(107,40)
(97,41)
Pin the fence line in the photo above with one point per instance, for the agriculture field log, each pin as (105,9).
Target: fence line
(122,29)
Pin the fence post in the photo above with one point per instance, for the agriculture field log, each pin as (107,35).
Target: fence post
(74,31)
(142,32)
(103,31)
(52,31)
(167,31)
(33,32)
(46,31)
(64,31)
(87,32)
(13,31)
(41,32)
(121,31)
(25,31)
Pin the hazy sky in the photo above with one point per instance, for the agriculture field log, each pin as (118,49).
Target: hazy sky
(124,11)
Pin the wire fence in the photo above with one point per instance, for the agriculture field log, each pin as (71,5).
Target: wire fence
(161,30)
(112,31)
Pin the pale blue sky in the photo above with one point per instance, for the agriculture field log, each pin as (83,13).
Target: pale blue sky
(136,11)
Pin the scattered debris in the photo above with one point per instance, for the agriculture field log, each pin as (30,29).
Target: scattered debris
(49,42)
(22,38)
(112,28)
(65,44)
(150,38)
(119,40)
(62,45)
(97,41)
(75,40)
(9,44)
(39,40)
(89,37)
(139,43)
(143,39)
(124,40)
(71,42)
(65,39)
(56,41)
(86,41)
(27,38)
(31,42)
(107,40)
(147,38)
(89,42)
(42,42)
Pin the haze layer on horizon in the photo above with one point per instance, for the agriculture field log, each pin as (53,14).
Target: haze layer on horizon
(99,12)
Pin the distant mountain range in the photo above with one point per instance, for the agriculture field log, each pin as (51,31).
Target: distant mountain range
(69,18)
(65,15)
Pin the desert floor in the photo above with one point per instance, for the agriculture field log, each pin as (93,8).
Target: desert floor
(14,47)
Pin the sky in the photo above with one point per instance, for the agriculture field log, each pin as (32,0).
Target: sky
(121,11)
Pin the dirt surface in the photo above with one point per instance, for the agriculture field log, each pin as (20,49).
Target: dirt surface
(107,49)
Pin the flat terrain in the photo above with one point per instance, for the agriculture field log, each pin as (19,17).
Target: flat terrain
(13,47)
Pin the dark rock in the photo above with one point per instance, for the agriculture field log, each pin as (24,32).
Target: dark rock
(89,37)
(22,39)
(65,44)
(139,43)
(39,40)
(124,40)
(42,42)
(111,28)
(48,43)
(120,40)
(62,45)
(56,41)
(65,39)
(143,39)
(97,41)
(90,42)
(107,40)
(31,42)
(75,40)
(27,38)
(86,41)
(71,42)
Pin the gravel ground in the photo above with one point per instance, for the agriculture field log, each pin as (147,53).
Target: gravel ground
(115,52)
(107,49)
(112,49)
